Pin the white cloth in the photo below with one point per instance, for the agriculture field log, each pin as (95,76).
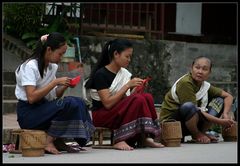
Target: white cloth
(201,94)
(122,77)
(30,75)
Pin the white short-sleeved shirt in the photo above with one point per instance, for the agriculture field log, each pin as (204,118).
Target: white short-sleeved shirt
(30,75)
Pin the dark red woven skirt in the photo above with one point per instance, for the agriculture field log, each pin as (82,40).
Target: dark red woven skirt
(131,116)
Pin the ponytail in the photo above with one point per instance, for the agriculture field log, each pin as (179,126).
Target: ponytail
(107,55)
(54,40)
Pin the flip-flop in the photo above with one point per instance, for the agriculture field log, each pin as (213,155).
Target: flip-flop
(72,149)
(214,141)
(61,146)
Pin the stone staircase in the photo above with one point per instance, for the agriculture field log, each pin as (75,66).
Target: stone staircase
(9,105)
(16,46)
(9,99)
(14,51)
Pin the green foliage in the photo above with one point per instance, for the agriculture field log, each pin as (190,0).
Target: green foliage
(59,25)
(151,63)
(30,39)
(24,21)
(21,18)
(216,128)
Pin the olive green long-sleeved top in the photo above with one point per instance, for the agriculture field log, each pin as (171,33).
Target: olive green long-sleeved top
(186,90)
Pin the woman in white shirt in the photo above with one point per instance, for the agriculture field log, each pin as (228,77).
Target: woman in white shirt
(39,93)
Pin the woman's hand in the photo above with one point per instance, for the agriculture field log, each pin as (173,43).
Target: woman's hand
(135,82)
(227,123)
(65,81)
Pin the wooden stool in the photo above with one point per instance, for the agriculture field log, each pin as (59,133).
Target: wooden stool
(16,139)
(100,133)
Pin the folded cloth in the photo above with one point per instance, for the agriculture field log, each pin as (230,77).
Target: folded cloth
(8,148)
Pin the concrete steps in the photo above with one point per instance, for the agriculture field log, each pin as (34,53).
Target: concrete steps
(9,98)
(9,106)
(8,92)
(9,78)
(16,46)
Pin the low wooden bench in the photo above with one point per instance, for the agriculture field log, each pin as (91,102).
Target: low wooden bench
(23,137)
(98,136)
(16,139)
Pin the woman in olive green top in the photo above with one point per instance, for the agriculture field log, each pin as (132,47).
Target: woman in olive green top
(196,103)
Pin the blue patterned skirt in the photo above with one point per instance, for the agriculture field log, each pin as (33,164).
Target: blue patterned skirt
(65,118)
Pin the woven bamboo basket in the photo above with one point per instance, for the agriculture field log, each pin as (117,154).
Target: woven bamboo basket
(33,143)
(171,133)
(231,134)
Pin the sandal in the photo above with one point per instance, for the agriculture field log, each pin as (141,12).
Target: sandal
(212,138)
(61,146)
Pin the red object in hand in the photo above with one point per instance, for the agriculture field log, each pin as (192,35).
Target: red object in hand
(75,81)
(140,89)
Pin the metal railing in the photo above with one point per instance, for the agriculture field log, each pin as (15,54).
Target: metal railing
(146,19)
(136,18)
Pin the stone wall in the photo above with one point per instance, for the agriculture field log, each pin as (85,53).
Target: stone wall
(166,61)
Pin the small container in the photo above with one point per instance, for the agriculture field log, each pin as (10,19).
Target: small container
(171,133)
(33,143)
(231,134)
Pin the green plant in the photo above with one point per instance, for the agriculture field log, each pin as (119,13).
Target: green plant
(152,56)
(21,18)
(25,21)
(60,24)
(30,39)
(216,128)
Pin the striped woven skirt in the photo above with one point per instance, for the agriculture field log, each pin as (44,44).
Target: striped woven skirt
(66,118)
(129,118)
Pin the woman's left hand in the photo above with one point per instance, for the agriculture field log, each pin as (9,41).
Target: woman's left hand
(227,123)
(225,116)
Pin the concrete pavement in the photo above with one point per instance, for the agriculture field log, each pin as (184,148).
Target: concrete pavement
(222,152)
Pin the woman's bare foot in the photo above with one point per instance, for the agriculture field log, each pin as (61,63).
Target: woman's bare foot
(51,149)
(202,138)
(122,146)
(150,143)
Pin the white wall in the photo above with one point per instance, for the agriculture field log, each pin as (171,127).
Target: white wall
(188,18)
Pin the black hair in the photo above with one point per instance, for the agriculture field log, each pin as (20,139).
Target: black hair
(200,57)
(107,55)
(54,40)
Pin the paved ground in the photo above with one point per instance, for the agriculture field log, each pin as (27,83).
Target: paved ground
(223,152)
